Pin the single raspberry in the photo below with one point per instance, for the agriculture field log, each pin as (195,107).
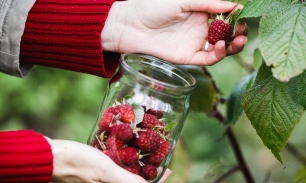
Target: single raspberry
(158,113)
(128,155)
(148,141)
(148,172)
(113,156)
(148,121)
(220,29)
(106,119)
(122,131)
(158,156)
(113,143)
(134,168)
(126,113)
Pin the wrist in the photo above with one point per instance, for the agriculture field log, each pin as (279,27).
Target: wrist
(113,27)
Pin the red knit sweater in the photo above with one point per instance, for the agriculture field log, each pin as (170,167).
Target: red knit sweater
(62,34)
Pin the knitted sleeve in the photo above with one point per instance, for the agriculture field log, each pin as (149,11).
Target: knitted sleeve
(66,34)
(25,157)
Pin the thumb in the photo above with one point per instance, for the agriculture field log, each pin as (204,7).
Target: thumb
(211,6)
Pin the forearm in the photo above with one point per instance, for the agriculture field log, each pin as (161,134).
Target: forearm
(25,156)
(67,35)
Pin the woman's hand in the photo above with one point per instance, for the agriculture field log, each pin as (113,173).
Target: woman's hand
(75,162)
(173,30)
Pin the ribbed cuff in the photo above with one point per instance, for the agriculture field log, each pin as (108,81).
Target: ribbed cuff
(66,34)
(25,156)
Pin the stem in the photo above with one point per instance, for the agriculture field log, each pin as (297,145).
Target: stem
(236,148)
(295,152)
(249,68)
(228,173)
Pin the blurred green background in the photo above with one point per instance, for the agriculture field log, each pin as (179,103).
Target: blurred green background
(64,105)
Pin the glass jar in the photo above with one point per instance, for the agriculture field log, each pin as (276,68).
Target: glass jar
(142,114)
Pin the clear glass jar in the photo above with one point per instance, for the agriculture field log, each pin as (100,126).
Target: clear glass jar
(142,114)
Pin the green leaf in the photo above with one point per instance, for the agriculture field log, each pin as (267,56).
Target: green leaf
(170,126)
(257,59)
(234,108)
(255,8)
(282,39)
(274,107)
(204,97)
(300,176)
(139,113)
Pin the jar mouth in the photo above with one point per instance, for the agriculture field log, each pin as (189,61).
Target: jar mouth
(152,70)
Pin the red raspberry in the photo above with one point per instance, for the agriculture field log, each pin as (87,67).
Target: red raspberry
(122,131)
(149,121)
(148,172)
(113,156)
(134,168)
(126,113)
(219,29)
(158,113)
(158,156)
(113,143)
(107,119)
(95,142)
(128,155)
(148,141)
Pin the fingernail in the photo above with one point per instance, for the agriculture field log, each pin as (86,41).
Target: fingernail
(244,26)
(223,45)
(246,40)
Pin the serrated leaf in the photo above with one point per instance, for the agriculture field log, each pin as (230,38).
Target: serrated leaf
(257,59)
(282,39)
(234,108)
(139,113)
(274,107)
(204,97)
(170,126)
(255,8)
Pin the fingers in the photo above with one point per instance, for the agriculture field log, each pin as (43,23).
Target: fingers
(213,55)
(210,6)
(236,45)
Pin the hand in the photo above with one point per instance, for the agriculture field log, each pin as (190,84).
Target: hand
(173,30)
(75,162)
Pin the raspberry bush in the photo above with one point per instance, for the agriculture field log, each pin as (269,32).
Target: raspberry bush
(272,94)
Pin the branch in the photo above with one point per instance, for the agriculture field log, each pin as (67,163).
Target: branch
(295,152)
(228,173)
(236,148)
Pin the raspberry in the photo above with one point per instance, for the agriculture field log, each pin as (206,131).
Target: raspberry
(134,168)
(219,29)
(158,113)
(148,141)
(95,142)
(122,131)
(148,172)
(149,121)
(128,155)
(113,156)
(113,143)
(126,113)
(158,156)
(106,119)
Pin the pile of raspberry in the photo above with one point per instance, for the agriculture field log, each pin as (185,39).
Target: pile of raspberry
(139,148)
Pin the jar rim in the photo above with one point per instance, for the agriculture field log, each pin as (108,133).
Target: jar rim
(186,77)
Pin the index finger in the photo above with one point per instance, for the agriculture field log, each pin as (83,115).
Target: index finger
(209,6)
